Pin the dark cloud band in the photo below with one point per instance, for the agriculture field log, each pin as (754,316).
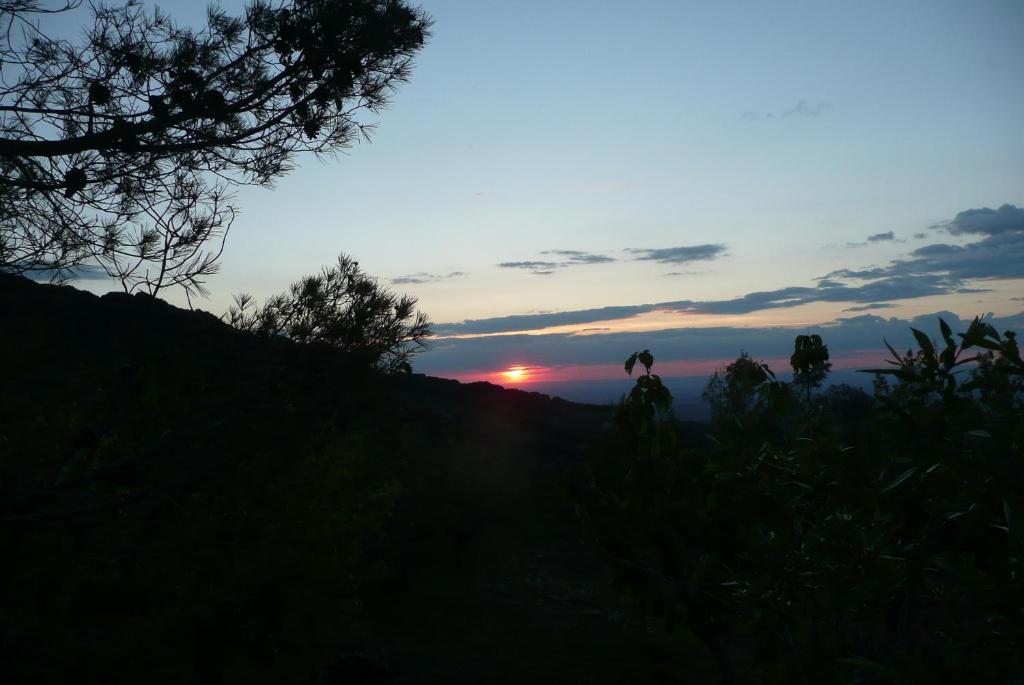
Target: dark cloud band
(936,269)
(680,255)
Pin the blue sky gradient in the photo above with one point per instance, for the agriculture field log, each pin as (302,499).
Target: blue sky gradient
(783,146)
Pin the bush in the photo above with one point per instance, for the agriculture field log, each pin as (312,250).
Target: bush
(747,399)
(887,552)
(343,308)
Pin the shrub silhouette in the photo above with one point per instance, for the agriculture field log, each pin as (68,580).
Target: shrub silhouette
(744,393)
(889,551)
(343,308)
(649,403)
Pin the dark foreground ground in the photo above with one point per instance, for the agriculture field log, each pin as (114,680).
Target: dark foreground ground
(182,503)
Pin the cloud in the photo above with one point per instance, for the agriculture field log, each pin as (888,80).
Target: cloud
(868,307)
(525,322)
(998,254)
(930,270)
(858,274)
(881,290)
(893,287)
(863,332)
(578,257)
(668,255)
(803,108)
(985,221)
(424,277)
(884,289)
(888,236)
(896,287)
(920,236)
(529,265)
(548,267)
(680,255)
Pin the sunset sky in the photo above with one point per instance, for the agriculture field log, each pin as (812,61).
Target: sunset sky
(563,182)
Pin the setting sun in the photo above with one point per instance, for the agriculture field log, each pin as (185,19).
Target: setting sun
(516,374)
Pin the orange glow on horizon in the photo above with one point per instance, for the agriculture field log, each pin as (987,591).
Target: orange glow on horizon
(522,374)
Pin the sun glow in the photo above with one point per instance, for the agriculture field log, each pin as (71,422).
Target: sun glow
(515,374)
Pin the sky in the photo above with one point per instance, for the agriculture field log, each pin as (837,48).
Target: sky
(562,183)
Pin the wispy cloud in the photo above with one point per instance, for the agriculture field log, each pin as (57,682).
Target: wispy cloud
(803,108)
(568,258)
(680,255)
(807,109)
(529,265)
(424,277)
(869,307)
(887,237)
(579,257)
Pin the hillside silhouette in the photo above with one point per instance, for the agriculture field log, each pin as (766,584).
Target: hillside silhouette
(189,503)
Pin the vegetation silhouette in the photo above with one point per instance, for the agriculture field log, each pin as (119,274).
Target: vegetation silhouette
(186,502)
(343,308)
(867,541)
(121,152)
(197,503)
(810,363)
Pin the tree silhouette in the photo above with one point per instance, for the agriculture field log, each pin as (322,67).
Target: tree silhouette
(344,308)
(810,363)
(121,151)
